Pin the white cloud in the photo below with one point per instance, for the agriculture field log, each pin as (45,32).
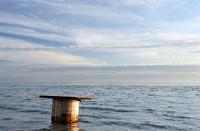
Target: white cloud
(88,9)
(154,4)
(145,2)
(13,43)
(147,54)
(48,58)
(18,19)
(22,31)
(10,43)
(69,12)
(59,21)
(33,54)
(113,38)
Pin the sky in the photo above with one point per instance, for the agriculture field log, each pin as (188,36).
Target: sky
(100,41)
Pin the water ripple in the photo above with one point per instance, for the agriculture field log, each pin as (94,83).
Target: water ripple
(114,107)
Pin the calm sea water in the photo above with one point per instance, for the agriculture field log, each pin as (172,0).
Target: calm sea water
(113,108)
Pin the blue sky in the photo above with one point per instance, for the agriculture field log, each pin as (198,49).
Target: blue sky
(63,41)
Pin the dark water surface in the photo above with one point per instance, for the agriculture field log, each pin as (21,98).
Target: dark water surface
(113,108)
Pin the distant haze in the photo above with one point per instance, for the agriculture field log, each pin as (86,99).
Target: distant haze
(102,75)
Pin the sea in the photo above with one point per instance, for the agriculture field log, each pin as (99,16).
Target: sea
(112,108)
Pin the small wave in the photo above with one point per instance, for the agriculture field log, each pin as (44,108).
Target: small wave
(7,96)
(149,110)
(173,118)
(85,121)
(197,94)
(123,124)
(108,109)
(91,116)
(165,127)
(31,111)
(182,117)
(154,125)
(6,119)
(28,99)
(151,95)
(170,112)
(8,108)
(35,111)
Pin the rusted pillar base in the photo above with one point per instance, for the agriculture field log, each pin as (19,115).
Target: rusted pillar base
(65,111)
